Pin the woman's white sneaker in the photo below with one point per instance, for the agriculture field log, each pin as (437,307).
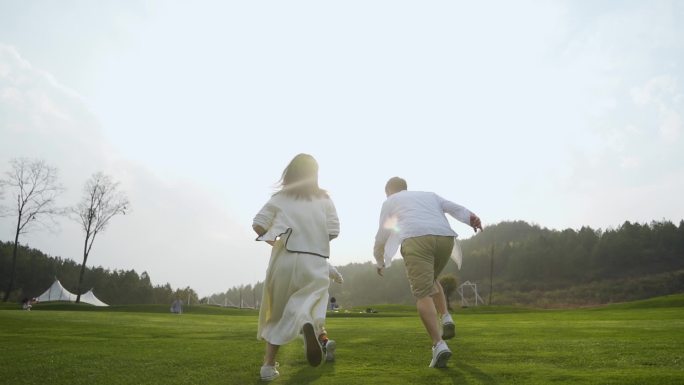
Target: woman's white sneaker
(269,372)
(314,350)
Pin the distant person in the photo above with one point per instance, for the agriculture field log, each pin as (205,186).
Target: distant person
(26,304)
(177,306)
(414,222)
(299,221)
(333,303)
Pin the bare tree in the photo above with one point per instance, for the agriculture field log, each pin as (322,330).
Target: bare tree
(101,201)
(36,187)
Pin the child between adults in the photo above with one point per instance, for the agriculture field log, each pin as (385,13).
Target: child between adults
(328,344)
(298,221)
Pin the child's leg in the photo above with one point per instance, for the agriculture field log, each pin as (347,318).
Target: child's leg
(440,300)
(323,336)
(328,345)
(448,327)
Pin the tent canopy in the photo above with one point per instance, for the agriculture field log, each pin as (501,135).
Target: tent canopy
(57,292)
(90,298)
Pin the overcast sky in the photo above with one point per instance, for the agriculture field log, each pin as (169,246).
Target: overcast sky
(562,114)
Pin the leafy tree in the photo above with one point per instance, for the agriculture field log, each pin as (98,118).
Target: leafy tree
(187,295)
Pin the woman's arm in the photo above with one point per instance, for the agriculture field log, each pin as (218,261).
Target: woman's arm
(332,221)
(259,230)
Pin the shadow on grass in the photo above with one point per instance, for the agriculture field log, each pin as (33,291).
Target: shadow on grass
(482,377)
(307,374)
(303,374)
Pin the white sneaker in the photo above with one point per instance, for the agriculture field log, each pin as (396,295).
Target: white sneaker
(440,355)
(448,330)
(329,349)
(269,373)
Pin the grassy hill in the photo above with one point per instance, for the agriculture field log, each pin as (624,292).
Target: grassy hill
(630,343)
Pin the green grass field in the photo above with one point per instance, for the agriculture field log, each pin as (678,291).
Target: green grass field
(634,343)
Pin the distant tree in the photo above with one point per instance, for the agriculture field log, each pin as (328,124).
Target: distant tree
(163,294)
(36,187)
(187,295)
(449,284)
(101,201)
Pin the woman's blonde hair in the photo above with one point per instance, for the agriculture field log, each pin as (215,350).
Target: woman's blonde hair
(300,178)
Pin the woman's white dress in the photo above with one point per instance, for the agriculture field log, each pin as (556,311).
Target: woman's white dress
(297,279)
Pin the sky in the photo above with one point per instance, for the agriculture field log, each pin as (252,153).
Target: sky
(559,113)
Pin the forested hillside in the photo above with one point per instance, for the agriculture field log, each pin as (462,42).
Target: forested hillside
(534,266)
(539,266)
(35,272)
(530,265)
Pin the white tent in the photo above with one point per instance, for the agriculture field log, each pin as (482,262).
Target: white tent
(57,292)
(90,298)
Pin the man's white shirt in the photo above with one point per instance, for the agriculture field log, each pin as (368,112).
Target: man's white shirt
(409,214)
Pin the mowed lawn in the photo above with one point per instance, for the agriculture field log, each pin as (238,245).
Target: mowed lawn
(636,343)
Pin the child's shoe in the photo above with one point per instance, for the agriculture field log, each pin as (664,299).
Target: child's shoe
(329,350)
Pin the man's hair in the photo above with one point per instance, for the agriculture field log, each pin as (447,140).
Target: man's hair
(395,184)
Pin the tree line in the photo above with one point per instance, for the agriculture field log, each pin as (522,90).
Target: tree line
(510,262)
(35,272)
(517,263)
(533,265)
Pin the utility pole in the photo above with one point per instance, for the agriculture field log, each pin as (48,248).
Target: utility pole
(491,273)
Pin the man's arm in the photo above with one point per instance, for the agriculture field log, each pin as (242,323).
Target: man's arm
(379,254)
(461,213)
(380,239)
(475,222)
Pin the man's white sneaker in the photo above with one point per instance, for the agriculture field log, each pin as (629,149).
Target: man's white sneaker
(448,330)
(329,349)
(440,355)
(269,373)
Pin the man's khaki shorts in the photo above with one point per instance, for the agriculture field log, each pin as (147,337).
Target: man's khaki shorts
(425,257)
